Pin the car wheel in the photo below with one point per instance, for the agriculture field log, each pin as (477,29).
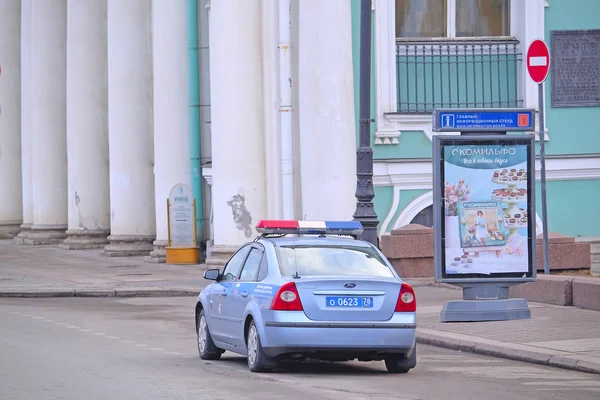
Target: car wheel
(206,347)
(400,364)
(257,360)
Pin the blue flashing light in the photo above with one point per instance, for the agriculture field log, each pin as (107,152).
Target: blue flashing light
(344,227)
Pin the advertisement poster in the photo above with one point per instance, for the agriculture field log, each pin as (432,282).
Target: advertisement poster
(486,208)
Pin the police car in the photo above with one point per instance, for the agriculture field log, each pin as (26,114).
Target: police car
(308,290)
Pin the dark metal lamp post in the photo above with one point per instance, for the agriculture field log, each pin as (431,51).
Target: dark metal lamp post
(365,212)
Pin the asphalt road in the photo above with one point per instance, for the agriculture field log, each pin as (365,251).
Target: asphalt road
(144,348)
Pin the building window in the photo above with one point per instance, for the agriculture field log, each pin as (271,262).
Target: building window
(424,217)
(452,18)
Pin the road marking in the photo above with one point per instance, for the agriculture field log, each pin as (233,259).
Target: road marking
(173,353)
(141,345)
(72,327)
(112,337)
(61,323)
(84,330)
(157,349)
(128,341)
(574,384)
(99,334)
(38,318)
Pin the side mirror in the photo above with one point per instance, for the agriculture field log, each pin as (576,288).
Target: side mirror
(212,274)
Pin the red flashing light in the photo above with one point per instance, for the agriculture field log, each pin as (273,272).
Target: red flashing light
(287,299)
(407,301)
(277,224)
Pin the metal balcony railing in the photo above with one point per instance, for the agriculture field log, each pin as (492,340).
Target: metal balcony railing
(474,73)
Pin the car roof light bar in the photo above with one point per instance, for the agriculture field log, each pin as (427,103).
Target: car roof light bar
(284,227)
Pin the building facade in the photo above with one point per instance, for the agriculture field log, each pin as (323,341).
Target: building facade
(469,53)
(107,104)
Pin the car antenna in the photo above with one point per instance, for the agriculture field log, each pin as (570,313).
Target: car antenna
(296,275)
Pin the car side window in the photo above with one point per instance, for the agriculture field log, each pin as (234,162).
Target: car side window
(252,265)
(263,271)
(233,267)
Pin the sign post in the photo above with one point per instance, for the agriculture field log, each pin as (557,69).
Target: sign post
(181,223)
(484,210)
(538,66)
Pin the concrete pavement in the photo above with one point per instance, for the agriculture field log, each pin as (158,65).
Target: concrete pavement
(566,337)
(145,348)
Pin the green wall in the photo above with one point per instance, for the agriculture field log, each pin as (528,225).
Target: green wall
(572,130)
(572,207)
(384,195)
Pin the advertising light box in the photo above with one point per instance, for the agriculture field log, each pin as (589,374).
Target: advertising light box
(484,209)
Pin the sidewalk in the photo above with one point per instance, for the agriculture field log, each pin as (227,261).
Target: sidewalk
(566,337)
(49,271)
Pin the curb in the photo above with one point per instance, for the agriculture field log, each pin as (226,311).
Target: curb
(124,292)
(511,351)
(429,282)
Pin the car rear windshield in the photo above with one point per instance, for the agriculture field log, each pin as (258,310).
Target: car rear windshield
(331,260)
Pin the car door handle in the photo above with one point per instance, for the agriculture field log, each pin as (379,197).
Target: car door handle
(244,294)
(224,292)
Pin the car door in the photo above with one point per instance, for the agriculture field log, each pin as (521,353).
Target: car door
(241,294)
(220,299)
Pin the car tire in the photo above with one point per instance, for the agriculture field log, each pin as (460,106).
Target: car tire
(257,360)
(400,364)
(206,347)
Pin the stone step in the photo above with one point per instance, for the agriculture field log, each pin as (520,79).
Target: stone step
(595,258)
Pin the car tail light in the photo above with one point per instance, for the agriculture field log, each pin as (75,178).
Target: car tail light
(407,302)
(287,299)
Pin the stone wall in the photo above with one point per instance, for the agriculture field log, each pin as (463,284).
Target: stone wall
(410,250)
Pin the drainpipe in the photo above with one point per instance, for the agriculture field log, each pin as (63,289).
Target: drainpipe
(194,93)
(285,109)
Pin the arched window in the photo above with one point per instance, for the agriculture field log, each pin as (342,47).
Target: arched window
(425,217)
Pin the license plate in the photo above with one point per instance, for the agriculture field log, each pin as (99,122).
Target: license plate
(349,301)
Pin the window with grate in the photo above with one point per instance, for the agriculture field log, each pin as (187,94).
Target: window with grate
(452,18)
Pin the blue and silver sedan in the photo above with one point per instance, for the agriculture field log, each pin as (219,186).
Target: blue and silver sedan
(308,290)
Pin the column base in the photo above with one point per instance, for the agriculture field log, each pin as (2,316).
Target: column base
(45,236)
(128,245)
(25,230)
(159,254)
(9,230)
(88,239)
(219,255)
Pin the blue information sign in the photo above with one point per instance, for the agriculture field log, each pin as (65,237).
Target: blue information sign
(484,120)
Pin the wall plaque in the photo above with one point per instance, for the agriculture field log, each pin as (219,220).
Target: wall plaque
(575,68)
(181,215)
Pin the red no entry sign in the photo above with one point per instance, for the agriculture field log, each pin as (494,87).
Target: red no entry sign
(538,61)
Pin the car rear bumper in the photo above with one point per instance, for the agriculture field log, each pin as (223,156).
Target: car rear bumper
(293,332)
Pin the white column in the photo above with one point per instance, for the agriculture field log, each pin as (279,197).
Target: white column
(11,207)
(238,150)
(26,184)
(171,110)
(48,125)
(326,108)
(130,132)
(87,125)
